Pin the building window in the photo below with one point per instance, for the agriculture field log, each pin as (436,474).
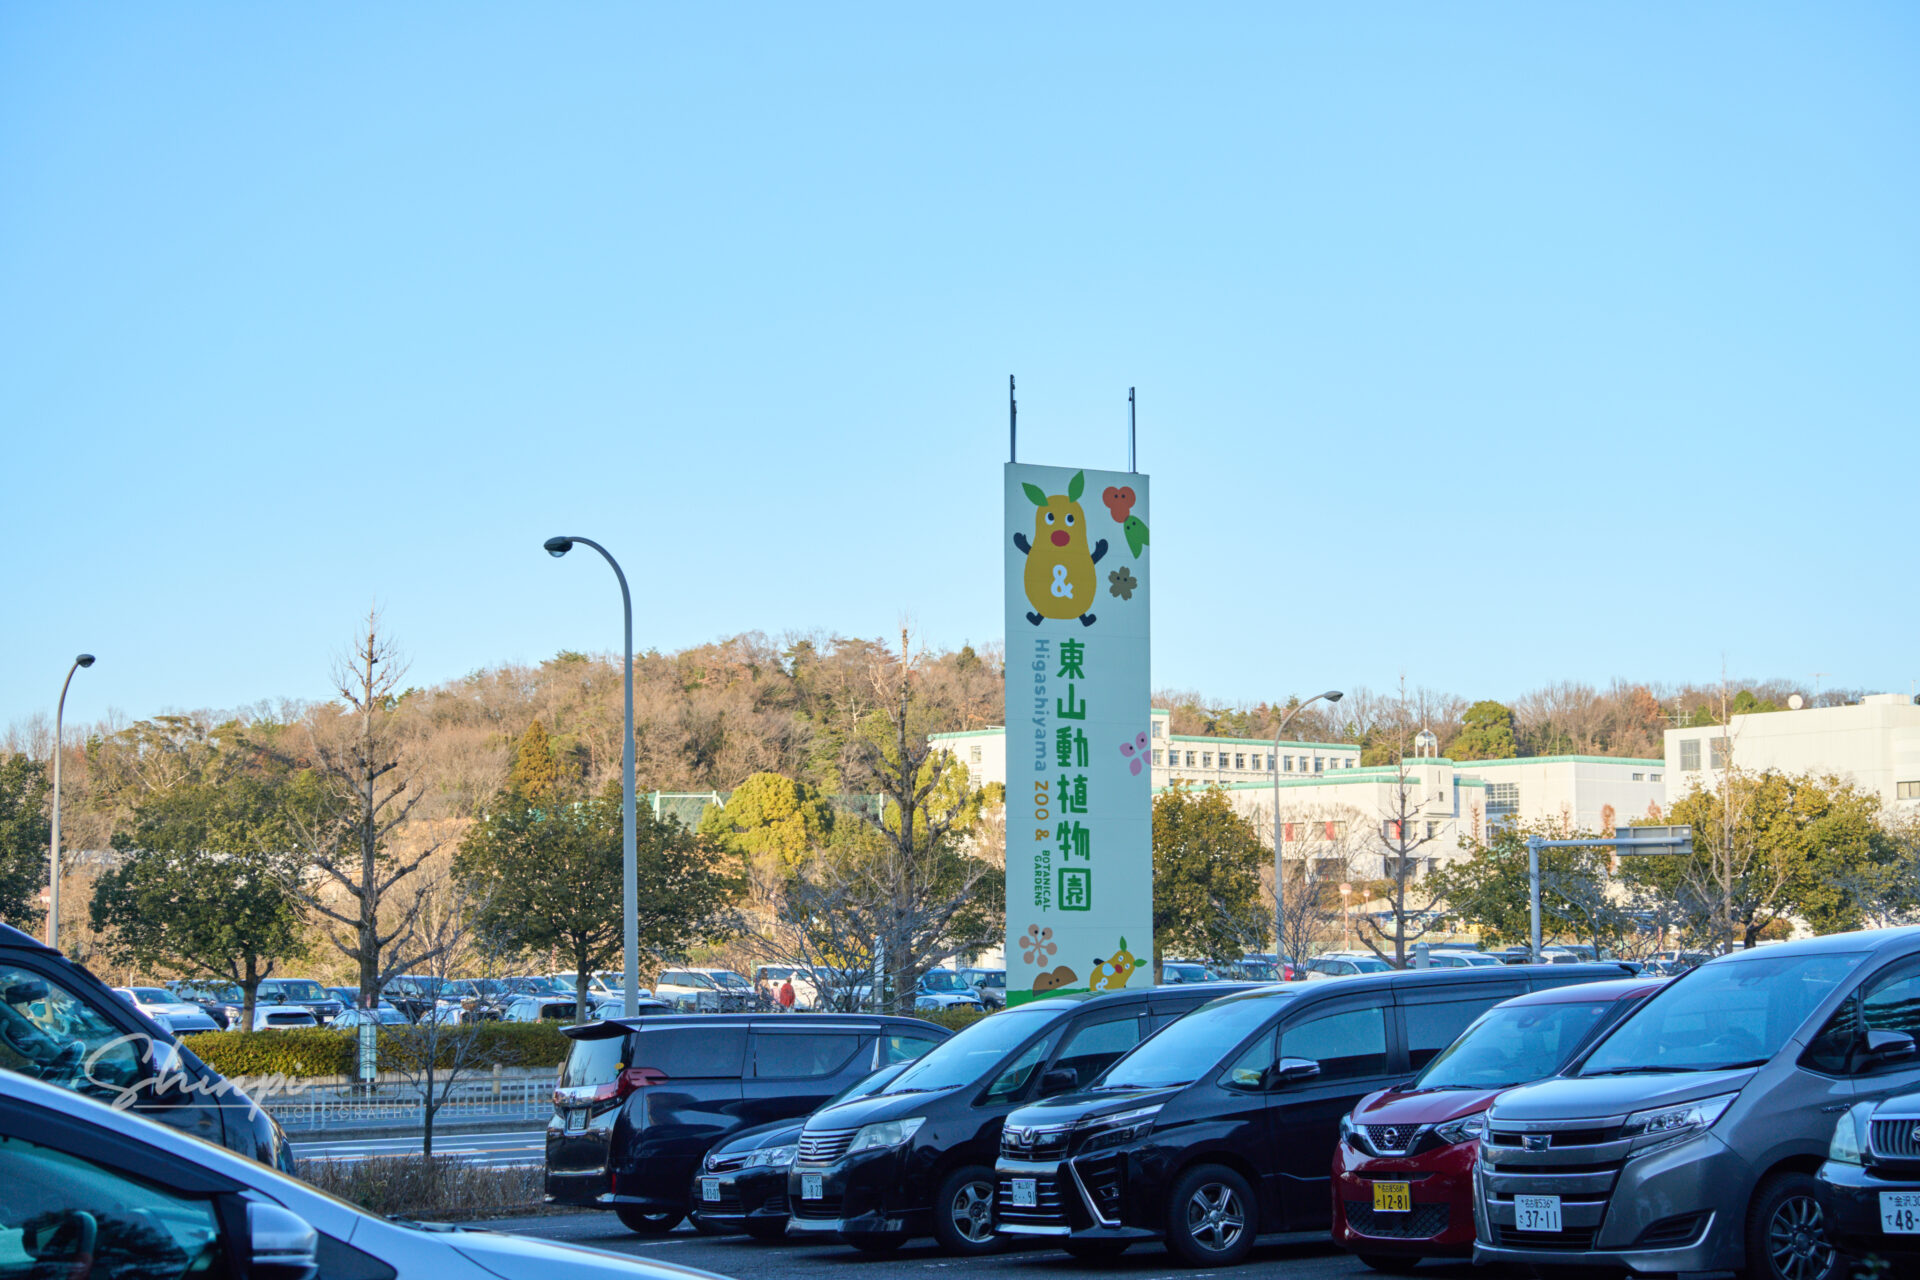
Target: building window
(1722,748)
(1319,764)
(1286,764)
(1393,829)
(1156,757)
(1336,830)
(1189,759)
(1653,777)
(1433,831)
(1503,799)
(1906,790)
(1239,760)
(1269,762)
(973,754)
(1639,777)
(1206,759)
(1689,754)
(1156,728)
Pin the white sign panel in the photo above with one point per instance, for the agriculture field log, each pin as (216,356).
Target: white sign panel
(1079,758)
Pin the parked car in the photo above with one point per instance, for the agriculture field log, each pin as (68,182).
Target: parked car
(1675,962)
(1687,1140)
(349,997)
(640,1101)
(696,991)
(1870,1183)
(768,978)
(61,1025)
(567,1009)
(182,1017)
(279,1017)
(945,989)
(1459,958)
(221,1001)
(1223,1128)
(385,1016)
(93,1192)
(989,984)
(304,992)
(1177,973)
(916,1158)
(742,1183)
(1345,966)
(477,999)
(1403,1171)
(414,994)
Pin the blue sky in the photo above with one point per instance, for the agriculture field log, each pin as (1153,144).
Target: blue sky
(1492,344)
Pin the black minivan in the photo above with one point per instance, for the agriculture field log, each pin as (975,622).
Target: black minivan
(640,1100)
(61,1024)
(1223,1127)
(916,1158)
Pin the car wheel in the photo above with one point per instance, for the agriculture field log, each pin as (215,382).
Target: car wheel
(1392,1264)
(1095,1250)
(1211,1220)
(876,1244)
(1787,1236)
(767,1228)
(963,1212)
(647,1222)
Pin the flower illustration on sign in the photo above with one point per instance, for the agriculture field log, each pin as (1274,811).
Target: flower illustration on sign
(1037,944)
(1121,582)
(1136,753)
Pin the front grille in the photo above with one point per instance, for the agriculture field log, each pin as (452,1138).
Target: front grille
(1390,1139)
(824,1146)
(1897,1139)
(1671,1233)
(1425,1221)
(1578,1240)
(828,1206)
(775,1203)
(1046,1210)
(729,1202)
(1557,1138)
(1101,1178)
(1029,1143)
(726,1164)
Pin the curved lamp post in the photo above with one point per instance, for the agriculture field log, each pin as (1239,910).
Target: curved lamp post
(629,871)
(1279,884)
(53,891)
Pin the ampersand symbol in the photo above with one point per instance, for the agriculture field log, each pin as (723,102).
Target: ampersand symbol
(1060,587)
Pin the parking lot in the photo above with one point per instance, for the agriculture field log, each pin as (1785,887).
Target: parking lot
(1300,1258)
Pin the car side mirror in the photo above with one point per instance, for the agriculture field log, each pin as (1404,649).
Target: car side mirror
(281,1244)
(1889,1046)
(1292,1070)
(1059,1080)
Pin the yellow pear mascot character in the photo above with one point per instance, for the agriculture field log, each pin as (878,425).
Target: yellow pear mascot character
(1060,578)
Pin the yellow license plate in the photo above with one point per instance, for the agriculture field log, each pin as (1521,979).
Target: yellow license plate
(1393,1197)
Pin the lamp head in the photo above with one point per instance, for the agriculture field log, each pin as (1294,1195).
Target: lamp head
(1333,695)
(557,547)
(85,660)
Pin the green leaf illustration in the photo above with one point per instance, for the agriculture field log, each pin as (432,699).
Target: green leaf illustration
(1035,493)
(1076,485)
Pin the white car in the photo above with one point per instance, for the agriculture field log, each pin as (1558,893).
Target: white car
(704,991)
(768,977)
(944,989)
(385,1016)
(278,1017)
(178,1016)
(93,1191)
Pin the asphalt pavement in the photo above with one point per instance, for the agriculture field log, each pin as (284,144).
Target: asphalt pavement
(1298,1259)
(494,1150)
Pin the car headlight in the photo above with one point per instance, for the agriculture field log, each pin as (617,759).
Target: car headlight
(1465,1129)
(890,1133)
(1677,1121)
(1346,1131)
(773,1157)
(1117,1129)
(1850,1135)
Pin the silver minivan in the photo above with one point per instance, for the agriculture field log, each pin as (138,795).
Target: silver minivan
(1687,1140)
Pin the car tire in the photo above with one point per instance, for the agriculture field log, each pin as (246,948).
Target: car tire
(1787,1237)
(1211,1217)
(647,1222)
(1392,1264)
(963,1212)
(1095,1250)
(888,1243)
(766,1229)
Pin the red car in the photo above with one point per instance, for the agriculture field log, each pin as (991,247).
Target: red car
(1403,1172)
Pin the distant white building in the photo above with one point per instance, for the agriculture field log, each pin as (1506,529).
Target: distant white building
(1874,743)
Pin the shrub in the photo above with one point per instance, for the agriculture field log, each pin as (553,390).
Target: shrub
(428,1186)
(952,1019)
(304,1052)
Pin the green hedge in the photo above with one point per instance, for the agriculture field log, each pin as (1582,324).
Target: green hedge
(952,1019)
(317,1051)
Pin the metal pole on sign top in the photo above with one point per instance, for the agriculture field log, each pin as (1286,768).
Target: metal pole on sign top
(1133,466)
(1013,423)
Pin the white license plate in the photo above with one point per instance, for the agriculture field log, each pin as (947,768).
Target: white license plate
(1537,1213)
(709,1189)
(577,1120)
(1025,1193)
(810,1188)
(1900,1213)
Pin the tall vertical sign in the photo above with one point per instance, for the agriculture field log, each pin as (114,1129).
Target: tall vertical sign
(1079,755)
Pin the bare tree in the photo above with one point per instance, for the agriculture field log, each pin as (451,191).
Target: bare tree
(357,883)
(1411,901)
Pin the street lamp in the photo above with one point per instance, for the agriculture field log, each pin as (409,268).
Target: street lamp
(53,895)
(629,869)
(1279,884)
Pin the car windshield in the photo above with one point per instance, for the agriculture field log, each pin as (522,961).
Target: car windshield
(153,995)
(1718,1016)
(728,978)
(973,1054)
(1192,1046)
(297,989)
(684,979)
(1182,973)
(943,980)
(1507,1047)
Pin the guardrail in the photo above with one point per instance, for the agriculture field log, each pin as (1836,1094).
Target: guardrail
(337,1106)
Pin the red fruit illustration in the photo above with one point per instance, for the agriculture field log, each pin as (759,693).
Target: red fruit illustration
(1119,501)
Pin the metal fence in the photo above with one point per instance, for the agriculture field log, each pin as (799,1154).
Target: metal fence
(345,1106)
